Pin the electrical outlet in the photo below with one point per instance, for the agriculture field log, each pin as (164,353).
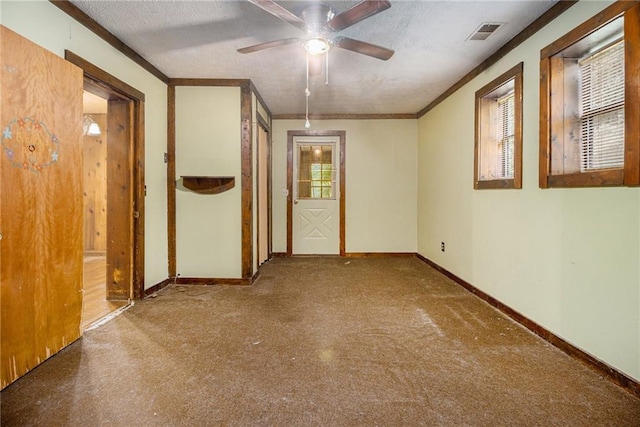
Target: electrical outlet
(442,246)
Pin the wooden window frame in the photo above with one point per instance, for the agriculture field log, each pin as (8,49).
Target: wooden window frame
(552,104)
(483,124)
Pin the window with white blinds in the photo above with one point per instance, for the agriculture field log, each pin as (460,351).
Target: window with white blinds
(506,135)
(588,103)
(498,133)
(602,109)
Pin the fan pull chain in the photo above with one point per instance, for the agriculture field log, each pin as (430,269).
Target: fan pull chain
(326,68)
(307,124)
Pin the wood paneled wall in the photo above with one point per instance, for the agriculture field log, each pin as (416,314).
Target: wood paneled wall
(95,188)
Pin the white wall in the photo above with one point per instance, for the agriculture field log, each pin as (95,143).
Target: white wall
(49,27)
(569,259)
(381,183)
(208,226)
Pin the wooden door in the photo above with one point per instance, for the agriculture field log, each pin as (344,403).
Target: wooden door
(40,204)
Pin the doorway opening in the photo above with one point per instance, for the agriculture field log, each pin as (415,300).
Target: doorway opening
(124,180)
(264,189)
(316,188)
(95,304)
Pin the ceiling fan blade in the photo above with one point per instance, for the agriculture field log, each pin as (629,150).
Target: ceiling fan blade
(268,45)
(357,13)
(363,48)
(280,12)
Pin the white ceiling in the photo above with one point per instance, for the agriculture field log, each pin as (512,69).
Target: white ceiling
(198,39)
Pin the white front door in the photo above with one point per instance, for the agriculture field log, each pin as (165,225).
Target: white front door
(316,202)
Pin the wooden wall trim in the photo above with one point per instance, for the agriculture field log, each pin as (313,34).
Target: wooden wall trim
(343,191)
(356,255)
(84,19)
(96,73)
(139,200)
(342,135)
(262,122)
(156,288)
(244,83)
(533,28)
(632,97)
(171,179)
(290,136)
(597,21)
(212,281)
(257,94)
(617,377)
(270,192)
(380,254)
(295,116)
(246,142)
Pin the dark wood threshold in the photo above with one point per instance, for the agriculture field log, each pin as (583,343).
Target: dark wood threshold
(157,287)
(617,377)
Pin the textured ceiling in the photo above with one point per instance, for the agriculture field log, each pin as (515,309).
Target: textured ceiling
(198,39)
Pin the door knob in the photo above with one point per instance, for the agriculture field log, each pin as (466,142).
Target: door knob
(295,202)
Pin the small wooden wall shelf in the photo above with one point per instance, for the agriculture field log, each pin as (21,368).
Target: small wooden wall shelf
(208,184)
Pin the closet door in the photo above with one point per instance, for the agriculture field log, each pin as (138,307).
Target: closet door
(41,240)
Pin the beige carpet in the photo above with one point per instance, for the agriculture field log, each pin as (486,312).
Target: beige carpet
(317,341)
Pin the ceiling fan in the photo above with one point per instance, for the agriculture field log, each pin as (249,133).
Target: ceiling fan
(319,21)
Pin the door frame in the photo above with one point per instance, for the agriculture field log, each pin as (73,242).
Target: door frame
(341,135)
(262,123)
(104,84)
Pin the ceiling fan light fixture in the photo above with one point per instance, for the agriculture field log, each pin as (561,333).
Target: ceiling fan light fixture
(317,45)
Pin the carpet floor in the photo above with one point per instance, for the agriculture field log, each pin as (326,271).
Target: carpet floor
(316,341)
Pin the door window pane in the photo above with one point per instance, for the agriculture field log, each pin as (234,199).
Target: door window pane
(316,172)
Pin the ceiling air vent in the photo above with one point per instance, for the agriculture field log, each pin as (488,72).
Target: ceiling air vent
(484,31)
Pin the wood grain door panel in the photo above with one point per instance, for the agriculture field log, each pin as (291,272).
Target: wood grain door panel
(40,205)
(119,200)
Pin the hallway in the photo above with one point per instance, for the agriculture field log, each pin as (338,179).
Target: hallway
(316,341)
